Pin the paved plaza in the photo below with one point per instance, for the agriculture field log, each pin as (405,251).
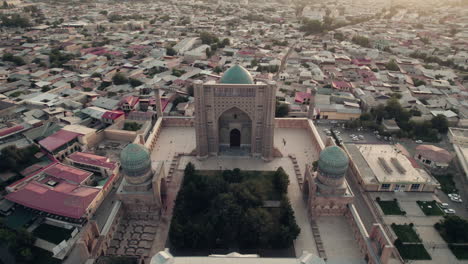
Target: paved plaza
(338,240)
(170,141)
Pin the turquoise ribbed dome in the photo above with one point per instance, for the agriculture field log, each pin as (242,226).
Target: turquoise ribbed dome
(237,75)
(135,160)
(333,162)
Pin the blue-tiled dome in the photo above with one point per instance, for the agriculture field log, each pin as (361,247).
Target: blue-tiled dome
(237,75)
(333,162)
(135,160)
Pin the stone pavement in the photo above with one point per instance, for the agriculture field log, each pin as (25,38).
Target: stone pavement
(338,239)
(134,236)
(170,141)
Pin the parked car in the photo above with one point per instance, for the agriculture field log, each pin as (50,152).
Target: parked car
(449,211)
(361,137)
(444,205)
(418,141)
(451,195)
(456,199)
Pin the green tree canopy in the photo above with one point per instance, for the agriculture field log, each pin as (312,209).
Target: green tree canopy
(119,78)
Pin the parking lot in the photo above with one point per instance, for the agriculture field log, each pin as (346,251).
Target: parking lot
(347,134)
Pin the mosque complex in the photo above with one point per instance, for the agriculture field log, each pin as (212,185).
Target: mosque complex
(235,127)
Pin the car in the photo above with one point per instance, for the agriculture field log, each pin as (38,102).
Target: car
(453,195)
(418,141)
(444,205)
(355,139)
(456,199)
(361,137)
(352,135)
(449,211)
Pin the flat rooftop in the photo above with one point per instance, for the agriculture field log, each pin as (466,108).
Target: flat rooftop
(459,132)
(386,164)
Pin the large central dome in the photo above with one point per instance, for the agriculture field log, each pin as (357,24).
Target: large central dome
(237,75)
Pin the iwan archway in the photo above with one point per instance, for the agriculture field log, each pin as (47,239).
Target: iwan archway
(235,131)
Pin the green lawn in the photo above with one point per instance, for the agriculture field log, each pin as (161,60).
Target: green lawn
(460,252)
(446,183)
(390,207)
(406,233)
(430,208)
(413,251)
(52,233)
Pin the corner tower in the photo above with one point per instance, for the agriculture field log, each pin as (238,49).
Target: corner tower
(143,188)
(235,115)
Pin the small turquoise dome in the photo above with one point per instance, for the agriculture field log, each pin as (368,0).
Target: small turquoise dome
(333,162)
(237,75)
(135,160)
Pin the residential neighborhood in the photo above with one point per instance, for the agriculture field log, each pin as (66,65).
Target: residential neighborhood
(104,104)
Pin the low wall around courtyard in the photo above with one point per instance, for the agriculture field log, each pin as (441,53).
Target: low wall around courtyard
(177,121)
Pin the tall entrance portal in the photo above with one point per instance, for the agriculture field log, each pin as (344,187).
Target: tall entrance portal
(235,138)
(235,116)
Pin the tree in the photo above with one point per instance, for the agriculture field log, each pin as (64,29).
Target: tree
(454,229)
(440,123)
(257,223)
(392,66)
(226,42)
(311,26)
(361,41)
(170,51)
(119,79)
(282,109)
(15,59)
(281,181)
(418,82)
(208,38)
(217,69)
(135,82)
(339,36)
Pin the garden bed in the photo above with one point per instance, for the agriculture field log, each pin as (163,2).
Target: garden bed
(53,234)
(390,207)
(406,233)
(430,208)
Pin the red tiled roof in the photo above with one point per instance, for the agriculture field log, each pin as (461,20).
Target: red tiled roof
(58,139)
(65,199)
(112,114)
(131,100)
(10,130)
(341,84)
(68,173)
(302,96)
(88,158)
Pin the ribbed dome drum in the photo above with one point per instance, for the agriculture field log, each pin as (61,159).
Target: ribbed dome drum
(333,162)
(135,161)
(237,75)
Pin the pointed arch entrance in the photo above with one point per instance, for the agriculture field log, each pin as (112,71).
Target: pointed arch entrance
(235,131)
(235,138)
